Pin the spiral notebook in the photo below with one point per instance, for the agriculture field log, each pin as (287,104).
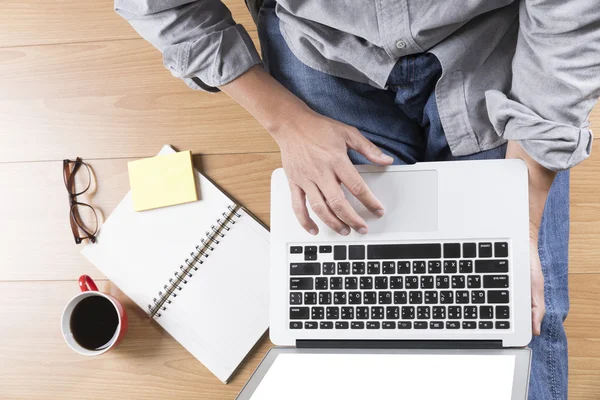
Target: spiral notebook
(200,269)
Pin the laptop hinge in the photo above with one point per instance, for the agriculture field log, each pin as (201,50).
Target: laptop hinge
(399,344)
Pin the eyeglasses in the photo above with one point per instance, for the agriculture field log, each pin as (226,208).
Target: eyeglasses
(80,229)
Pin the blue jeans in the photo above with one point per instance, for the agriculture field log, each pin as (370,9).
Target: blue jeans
(404,122)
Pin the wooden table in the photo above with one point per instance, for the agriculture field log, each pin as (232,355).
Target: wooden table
(75,80)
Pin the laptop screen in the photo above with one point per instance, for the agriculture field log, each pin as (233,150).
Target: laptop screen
(388,376)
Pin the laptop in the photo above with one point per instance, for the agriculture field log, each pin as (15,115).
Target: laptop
(434,302)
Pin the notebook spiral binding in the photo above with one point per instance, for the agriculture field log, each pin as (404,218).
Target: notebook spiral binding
(203,250)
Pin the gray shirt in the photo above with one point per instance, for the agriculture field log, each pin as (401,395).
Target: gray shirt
(526,71)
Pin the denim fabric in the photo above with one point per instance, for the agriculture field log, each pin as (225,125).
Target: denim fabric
(404,122)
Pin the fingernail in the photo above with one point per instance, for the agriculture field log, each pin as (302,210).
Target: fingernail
(362,231)
(313,231)
(387,158)
(344,231)
(380,212)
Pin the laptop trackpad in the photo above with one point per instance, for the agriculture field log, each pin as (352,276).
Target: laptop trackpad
(410,199)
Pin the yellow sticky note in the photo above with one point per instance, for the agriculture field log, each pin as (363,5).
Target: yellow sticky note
(162,181)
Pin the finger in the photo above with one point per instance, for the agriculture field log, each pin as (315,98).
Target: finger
(537,318)
(335,199)
(350,177)
(320,207)
(364,146)
(299,207)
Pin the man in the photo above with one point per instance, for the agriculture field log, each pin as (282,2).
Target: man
(401,81)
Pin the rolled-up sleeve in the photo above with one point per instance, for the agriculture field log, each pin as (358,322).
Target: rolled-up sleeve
(199,40)
(556,82)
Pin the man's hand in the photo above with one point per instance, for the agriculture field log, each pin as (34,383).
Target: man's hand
(314,153)
(540,181)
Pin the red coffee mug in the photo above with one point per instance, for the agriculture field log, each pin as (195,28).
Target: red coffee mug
(89,289)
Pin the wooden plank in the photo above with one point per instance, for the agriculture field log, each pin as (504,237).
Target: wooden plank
(36,240)
(34,22)
(35,363)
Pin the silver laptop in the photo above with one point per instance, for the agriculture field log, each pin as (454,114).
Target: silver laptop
(434,302)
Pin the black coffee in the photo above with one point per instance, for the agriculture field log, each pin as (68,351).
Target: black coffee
(93,322)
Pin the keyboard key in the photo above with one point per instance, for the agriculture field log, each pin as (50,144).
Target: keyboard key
(477,297)
(335,283)
(465,266)
(431,297)
(450,267)
(295,325)
(381,282)
(354,297)
(366,282)
(377,312)
(339,252)
(357,325)
(446,297)
(296,250)
(343,268)
(473,281)
(434,267)
(325,298)
(351,283)
(339,298)
(333,313)
(420,325)
(470,312)
(362,312)
(301,283)
(370,297)
(494,266)
(501,249)
(325,249)
(396,282)
(404,251)
(438,312)
(454,312)
(295,298)
(486,324)
(385,297)
(347,312)
(495,281)
(486,312)
(451,250)
(404,267)
(310,325)
(415,298)
(404,325)
(442,282)
(400,297)
(299,312)
(412,282)
(373,325)
(388,268)
(392,312)
(462,297)
(310,249)
(502,325)
(310,256)
(502,312)
(469,250)
(358,268)
(373,268)
(436,325)
(485,250)
(497,296)
(458,282)
(427,282)
(452,325)
(418,267)
(310,298)
(326,325)
(317,313)
(341,324)
(469,325)
(328,268)
(408,312)
(423,312)
(356,252)
(388,325)
(321,283)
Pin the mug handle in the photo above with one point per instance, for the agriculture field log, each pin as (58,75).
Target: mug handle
(87,284)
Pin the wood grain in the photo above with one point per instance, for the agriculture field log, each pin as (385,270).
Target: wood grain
(35,22)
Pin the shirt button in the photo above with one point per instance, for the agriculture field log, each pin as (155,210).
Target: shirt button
(400,44)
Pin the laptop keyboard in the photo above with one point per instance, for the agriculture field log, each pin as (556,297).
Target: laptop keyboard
(400,286)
